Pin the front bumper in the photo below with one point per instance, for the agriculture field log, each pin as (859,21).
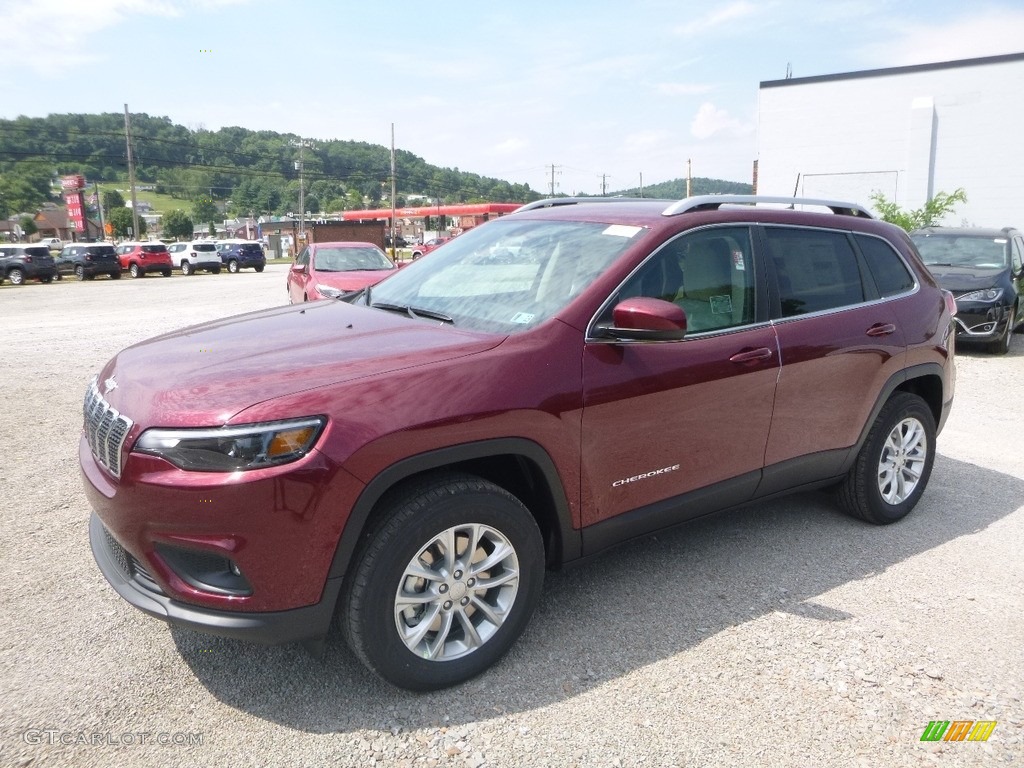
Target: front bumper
(132,582)
(983,323)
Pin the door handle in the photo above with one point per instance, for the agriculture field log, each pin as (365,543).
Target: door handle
(881,329)
(762,353)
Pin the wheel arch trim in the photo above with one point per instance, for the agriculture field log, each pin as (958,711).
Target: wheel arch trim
(902,381)
(356,526)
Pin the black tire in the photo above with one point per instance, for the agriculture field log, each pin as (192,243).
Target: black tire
(412,519)
(165,272)
(115,275)
(16,276)
(861,493)
(233,266)
(80,272)
(186,268)
(216,270)
(1002,345)
(259,268)
(136,271)
(47,279)
(58,276)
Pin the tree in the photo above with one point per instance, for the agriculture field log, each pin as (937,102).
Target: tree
(121,221)
(927,216)
(204,209)
(178,225)
(28,226)
(111,199)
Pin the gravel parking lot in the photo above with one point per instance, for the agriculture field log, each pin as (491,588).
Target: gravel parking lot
(780,634)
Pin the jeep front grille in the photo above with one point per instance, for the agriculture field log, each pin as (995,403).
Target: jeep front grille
(105,429)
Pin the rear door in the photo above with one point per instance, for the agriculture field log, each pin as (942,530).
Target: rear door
(664,419)
(839,341)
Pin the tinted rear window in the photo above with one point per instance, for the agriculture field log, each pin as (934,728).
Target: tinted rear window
(886,267)
(154,248)
(204,247)
(37,250)
(250,248)
(816,270)
(101,250)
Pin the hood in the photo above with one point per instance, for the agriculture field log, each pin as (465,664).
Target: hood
(204,375)
(961,279)
(352,280)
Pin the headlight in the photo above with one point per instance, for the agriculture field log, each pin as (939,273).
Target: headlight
(228,449)
(330,293)
(989,294)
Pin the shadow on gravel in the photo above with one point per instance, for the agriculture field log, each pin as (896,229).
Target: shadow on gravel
(638,604)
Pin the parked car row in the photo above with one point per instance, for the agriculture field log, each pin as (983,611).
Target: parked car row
(84,261)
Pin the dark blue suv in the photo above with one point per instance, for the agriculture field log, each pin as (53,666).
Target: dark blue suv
(240,254)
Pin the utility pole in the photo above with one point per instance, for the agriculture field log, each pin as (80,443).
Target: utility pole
(99,205)
(392,191)
(604,185)
(131,172)
(689,177)
(641,183)
(553,167)
(301,144)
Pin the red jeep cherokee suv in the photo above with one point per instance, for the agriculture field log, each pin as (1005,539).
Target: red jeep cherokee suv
(547,385)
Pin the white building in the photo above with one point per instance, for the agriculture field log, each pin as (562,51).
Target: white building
(907,132)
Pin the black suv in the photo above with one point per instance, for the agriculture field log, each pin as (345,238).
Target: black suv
(241,254)
(19,263)
(984,270)
(86,260)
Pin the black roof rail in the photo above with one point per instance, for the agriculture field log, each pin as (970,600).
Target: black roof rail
(714,202)
(554,202)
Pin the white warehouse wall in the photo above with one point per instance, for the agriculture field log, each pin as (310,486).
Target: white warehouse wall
(908,132)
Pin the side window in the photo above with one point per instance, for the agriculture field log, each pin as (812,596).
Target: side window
(1018,255)
(886,267)
(816,270)
(303,257)
(709,273)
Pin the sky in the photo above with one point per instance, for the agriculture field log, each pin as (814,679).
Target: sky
(609,92)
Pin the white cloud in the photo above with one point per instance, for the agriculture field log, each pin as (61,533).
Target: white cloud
(716,18)
(712,121)
(988,33)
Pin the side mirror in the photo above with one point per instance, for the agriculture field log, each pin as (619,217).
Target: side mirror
(298,268)
(646,319)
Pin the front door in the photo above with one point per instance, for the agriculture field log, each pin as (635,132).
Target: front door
(662,419)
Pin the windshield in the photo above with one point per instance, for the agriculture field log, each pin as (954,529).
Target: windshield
(508,275)
(963,251)
(350,259)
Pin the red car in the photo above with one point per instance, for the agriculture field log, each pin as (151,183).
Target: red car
(331,270)
(552,383)
(427,247)
(140,258)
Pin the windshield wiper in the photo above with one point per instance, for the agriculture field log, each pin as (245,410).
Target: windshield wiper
(416,313)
